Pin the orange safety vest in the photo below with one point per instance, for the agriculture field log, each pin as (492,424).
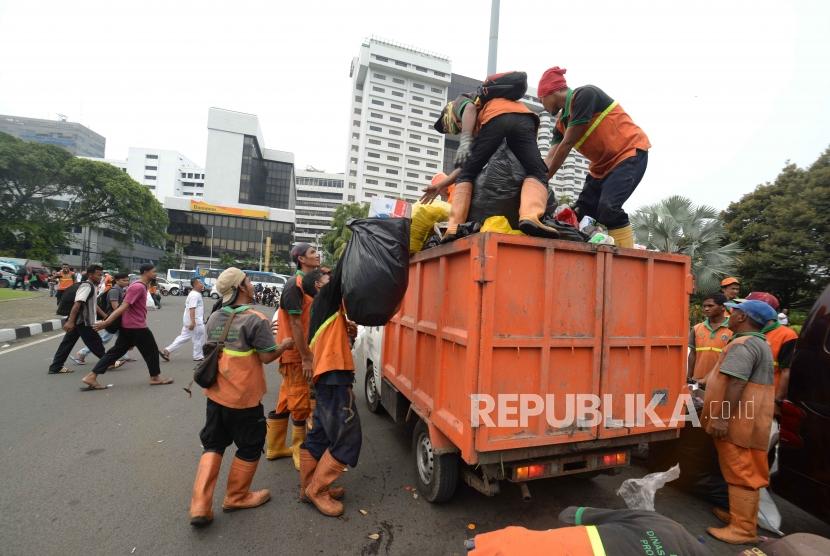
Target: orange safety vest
(284,331)
(776,338)
(65,280)
(331,347)
(499,106)
(578,540)
(709,344)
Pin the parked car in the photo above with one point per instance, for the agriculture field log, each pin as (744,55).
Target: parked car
(803,475)
(8,275)
(167,288)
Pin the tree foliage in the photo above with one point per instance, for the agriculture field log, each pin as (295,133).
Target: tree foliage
(676,225)
(784,227)
(226,260)
(335,241)
(111,260)
(44,191)
(167,261)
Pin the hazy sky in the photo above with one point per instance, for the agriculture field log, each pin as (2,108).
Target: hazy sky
(727,91)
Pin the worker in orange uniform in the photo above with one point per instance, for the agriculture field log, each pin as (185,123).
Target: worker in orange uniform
(234,411)
(483,128)
(335,437)
(65,277)
(708,338)
(737,413)
(730,287)
(781,340)
(597,126)
(595,531)
(294,399)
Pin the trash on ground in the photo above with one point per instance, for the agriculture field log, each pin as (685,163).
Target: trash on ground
(639,493)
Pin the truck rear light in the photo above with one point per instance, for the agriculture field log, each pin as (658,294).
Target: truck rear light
(618,458)
(522,473)
(535,471)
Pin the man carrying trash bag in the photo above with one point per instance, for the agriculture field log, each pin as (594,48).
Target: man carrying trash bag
(371,280)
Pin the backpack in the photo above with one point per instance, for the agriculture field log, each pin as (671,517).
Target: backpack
(68,299)
(511,85)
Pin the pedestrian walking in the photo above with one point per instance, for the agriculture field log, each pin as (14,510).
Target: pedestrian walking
(133,333)
(65,278)
(113,299)
(234,412)
(20,277)
(80,322)
(335,437)
(193,323)
(737,413)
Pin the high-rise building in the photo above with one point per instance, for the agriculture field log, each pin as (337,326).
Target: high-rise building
(240,169)
(72,136)
(318,196)
(166,173)
(397,94)
(567,182)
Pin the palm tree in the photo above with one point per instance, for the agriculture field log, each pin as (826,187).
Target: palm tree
(676,225)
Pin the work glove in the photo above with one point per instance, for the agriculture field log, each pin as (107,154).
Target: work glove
(464,149)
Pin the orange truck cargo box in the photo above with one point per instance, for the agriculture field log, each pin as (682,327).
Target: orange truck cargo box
(496,314)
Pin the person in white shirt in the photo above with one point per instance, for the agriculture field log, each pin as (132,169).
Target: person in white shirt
(193,323)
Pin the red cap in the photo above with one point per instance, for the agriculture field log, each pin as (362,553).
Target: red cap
(552,80)
(767,298)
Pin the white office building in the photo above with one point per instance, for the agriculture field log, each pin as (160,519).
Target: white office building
(397,94)
(318,196)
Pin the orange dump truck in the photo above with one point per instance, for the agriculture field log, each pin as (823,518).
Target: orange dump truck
(499,337)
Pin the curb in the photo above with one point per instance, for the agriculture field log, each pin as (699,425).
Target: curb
(29,330)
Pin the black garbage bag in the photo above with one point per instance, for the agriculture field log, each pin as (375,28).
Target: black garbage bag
(498,188)
(375,269)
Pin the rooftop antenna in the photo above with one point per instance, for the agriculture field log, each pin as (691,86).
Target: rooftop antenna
(62,117)
(494,37)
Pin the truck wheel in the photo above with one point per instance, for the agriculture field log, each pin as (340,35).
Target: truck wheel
(437,475)
(371,389)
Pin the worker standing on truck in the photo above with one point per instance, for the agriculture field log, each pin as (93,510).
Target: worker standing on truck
(335,437)
(294,398)
(483,128)
(781,340)
(737,413)
(597,126)
(708,338)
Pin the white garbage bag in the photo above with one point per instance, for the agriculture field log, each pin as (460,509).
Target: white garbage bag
(639,493)
(151,305)
(768,515)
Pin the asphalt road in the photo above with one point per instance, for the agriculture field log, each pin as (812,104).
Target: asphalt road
(110,473)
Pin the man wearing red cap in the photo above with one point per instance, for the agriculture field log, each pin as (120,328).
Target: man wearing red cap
(781,340)
(596,125)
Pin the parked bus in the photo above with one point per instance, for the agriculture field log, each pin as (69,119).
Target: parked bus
(267,279)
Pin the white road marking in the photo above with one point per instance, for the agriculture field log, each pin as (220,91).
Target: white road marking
(3,352)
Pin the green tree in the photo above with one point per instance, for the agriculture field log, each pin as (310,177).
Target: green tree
(167,261)
(334,242)
(279,265)
(785,229)
(111,260)
(226,260)
(44,191)
(676,225)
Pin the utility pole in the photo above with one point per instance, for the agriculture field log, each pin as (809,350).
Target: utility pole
(494,38)
(211,247)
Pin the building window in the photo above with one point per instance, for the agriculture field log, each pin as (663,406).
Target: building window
(398,80)
(414,149)
(439,73)
(418,85)
(379,89)
(391,184)
(432,165)
(411,188)
(351,198)
(434,115)
(435,102)
(396,107)
(353,160)
(432,139)
(373,155)
(355,136)
(380,76)
(188,194)
(419,68)
(371,181)
(353,173)
(380,59)
(190,175)
(372,168)
(354,148)
(437,90)
(416,111)
(413,162)
(352,186)
(356,123)
(416,123)
(397,94)
(152,156)
(374,141)
(402,64)
(417,98)
(391,171)
(358,99)
(375,128)
(151,167)
(149,177)
(394,132)
(358,111)
(392,158)
(432,152)
(264,182)
(369,195)
(377,102)
(411,175)
(395,119)
(394,145)
(414,136)
(376,115)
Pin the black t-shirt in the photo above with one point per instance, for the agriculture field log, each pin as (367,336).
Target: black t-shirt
(785,355)
(585,103)
(292,298)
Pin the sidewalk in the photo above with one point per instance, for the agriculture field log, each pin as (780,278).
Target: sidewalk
(40,309)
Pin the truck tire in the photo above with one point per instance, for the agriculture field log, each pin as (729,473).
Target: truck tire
(371,390)
(436,475)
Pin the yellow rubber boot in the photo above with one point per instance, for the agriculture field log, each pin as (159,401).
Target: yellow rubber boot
(623,237)
(533,203)
(297,438)
(275,439)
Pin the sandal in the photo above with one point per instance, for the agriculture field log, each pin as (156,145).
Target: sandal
(163,356)
(118,364)
(63,371)
(77,360)
(91,387)
(162,382)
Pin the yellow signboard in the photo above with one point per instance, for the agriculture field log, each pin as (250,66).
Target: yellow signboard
(201,206)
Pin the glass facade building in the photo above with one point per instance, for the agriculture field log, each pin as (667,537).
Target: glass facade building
(242,237)
(264,182)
